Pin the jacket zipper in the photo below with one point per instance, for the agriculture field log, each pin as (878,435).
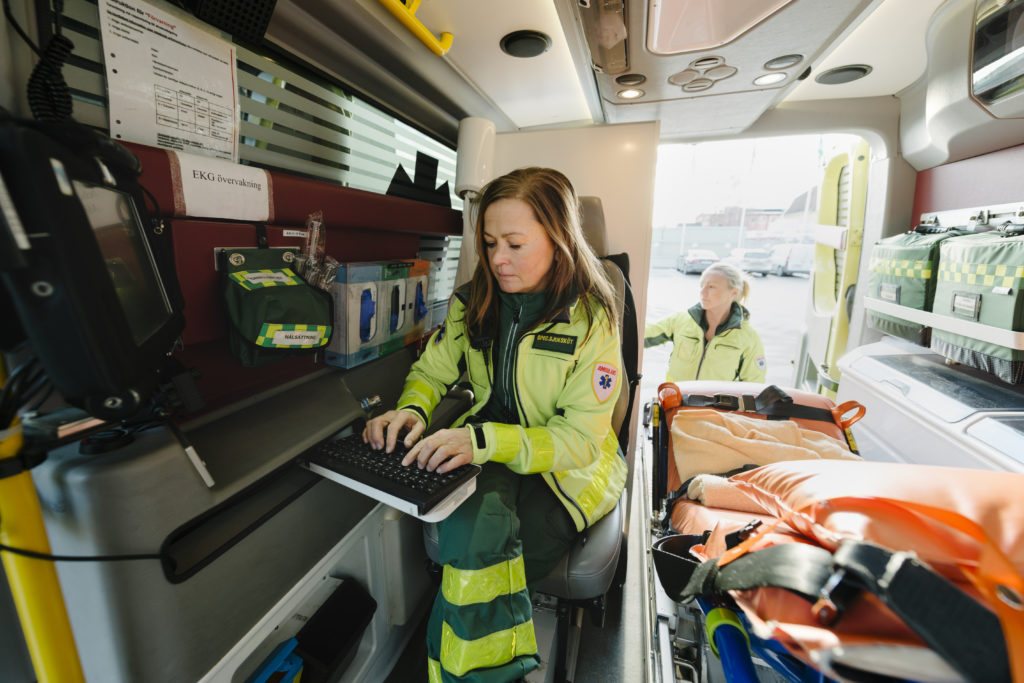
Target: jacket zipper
(510,355)
(513,384)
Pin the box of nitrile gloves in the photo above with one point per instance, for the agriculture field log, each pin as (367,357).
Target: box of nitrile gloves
(395,314)
(359,315)
(418,304)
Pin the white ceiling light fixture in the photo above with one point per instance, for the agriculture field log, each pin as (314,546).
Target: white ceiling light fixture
(770,79)
(630,93)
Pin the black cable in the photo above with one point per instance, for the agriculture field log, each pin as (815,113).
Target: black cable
(49,97)
(79,558)
(17,27)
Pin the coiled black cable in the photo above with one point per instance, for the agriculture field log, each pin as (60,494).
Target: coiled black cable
(49,97)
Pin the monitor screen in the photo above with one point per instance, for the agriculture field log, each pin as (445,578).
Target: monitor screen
(128,258)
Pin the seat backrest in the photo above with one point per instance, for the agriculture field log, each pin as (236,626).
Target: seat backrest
(594,229)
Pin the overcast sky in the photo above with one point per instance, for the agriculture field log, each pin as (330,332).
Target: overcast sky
(763,173)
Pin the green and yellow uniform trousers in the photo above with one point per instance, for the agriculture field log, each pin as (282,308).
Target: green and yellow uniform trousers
(507,536)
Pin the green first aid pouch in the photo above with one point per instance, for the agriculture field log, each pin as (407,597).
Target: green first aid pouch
(272,312)
(981,279)
(903,271)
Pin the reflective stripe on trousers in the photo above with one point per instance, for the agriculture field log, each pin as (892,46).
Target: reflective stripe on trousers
(481,625)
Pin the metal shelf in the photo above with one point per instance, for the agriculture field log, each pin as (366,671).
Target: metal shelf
(979,331)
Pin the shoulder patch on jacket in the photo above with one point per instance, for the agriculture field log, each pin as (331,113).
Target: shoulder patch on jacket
(604,379)
(761,362)
(563,343)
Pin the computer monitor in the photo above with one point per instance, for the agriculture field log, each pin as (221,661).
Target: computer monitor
(81,266)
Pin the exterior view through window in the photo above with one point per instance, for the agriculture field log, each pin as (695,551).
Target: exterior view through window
(754,204)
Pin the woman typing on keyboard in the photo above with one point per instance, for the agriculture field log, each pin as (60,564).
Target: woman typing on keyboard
(536,334)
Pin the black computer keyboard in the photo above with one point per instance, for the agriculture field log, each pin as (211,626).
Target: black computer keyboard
(384,472)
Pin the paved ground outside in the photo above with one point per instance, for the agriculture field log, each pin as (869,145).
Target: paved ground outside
(776,304)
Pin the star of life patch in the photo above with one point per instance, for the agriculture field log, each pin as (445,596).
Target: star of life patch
(440,333)
(761,362)
(604,379)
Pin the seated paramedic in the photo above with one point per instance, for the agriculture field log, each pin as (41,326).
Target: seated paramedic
(535,333)
(713,340)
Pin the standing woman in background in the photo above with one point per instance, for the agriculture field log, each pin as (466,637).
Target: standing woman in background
(713,340)
(536,334)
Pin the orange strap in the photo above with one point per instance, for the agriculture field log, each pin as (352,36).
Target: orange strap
(994,576)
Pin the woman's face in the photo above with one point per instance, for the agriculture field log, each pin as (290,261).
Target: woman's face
(518,247)
(715,292)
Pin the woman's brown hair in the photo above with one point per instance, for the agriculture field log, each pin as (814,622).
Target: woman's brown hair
(576,270)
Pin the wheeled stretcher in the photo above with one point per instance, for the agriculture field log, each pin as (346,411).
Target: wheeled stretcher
(830,567)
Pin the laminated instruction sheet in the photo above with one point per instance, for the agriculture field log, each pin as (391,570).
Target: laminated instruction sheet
(171,82)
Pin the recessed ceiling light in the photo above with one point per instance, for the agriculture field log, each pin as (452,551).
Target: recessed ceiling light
(630,94)
(525,43)
(783,62)
(843,74)
(769,79)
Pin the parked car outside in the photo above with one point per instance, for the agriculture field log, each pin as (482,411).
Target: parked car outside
(695,260)
(753,261)
(793,259)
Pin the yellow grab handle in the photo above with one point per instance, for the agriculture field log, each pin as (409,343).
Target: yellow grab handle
(407,15)
(34,584)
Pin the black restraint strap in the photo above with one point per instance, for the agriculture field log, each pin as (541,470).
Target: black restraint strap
(772,402)
(962,631)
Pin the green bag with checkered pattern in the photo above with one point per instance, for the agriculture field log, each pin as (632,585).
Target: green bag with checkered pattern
(272,312)
(980,280)
(903,270)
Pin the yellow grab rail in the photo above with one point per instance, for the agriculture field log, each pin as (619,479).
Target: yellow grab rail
(33,582)
(406,13)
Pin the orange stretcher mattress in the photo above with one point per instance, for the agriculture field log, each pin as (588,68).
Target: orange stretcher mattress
(956,530)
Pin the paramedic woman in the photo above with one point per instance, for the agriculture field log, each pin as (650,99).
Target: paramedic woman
(713,340)
(536,334)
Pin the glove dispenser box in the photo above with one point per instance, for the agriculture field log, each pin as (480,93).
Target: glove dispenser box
(358,315)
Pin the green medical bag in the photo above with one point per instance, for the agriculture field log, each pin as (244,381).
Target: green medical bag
(980,280)
(272,312)
(903,271)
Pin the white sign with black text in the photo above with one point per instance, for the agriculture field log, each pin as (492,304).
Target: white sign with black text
(170,81)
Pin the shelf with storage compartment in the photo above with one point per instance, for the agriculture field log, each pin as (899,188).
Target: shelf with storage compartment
(986,333)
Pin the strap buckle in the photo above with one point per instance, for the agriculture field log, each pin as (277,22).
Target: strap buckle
(826,610)
(744,403)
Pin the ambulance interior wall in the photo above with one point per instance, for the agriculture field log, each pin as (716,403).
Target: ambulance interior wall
(232,551)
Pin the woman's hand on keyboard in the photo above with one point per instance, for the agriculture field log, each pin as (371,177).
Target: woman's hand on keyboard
(383,430)
(444,450)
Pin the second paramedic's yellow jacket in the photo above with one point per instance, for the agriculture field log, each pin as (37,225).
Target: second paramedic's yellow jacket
(735,353)
(567,377)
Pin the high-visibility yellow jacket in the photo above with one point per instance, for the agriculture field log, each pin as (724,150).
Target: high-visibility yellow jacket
(735,353)
(567,377)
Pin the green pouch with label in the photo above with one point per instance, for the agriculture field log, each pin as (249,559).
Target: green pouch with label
(272,312)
